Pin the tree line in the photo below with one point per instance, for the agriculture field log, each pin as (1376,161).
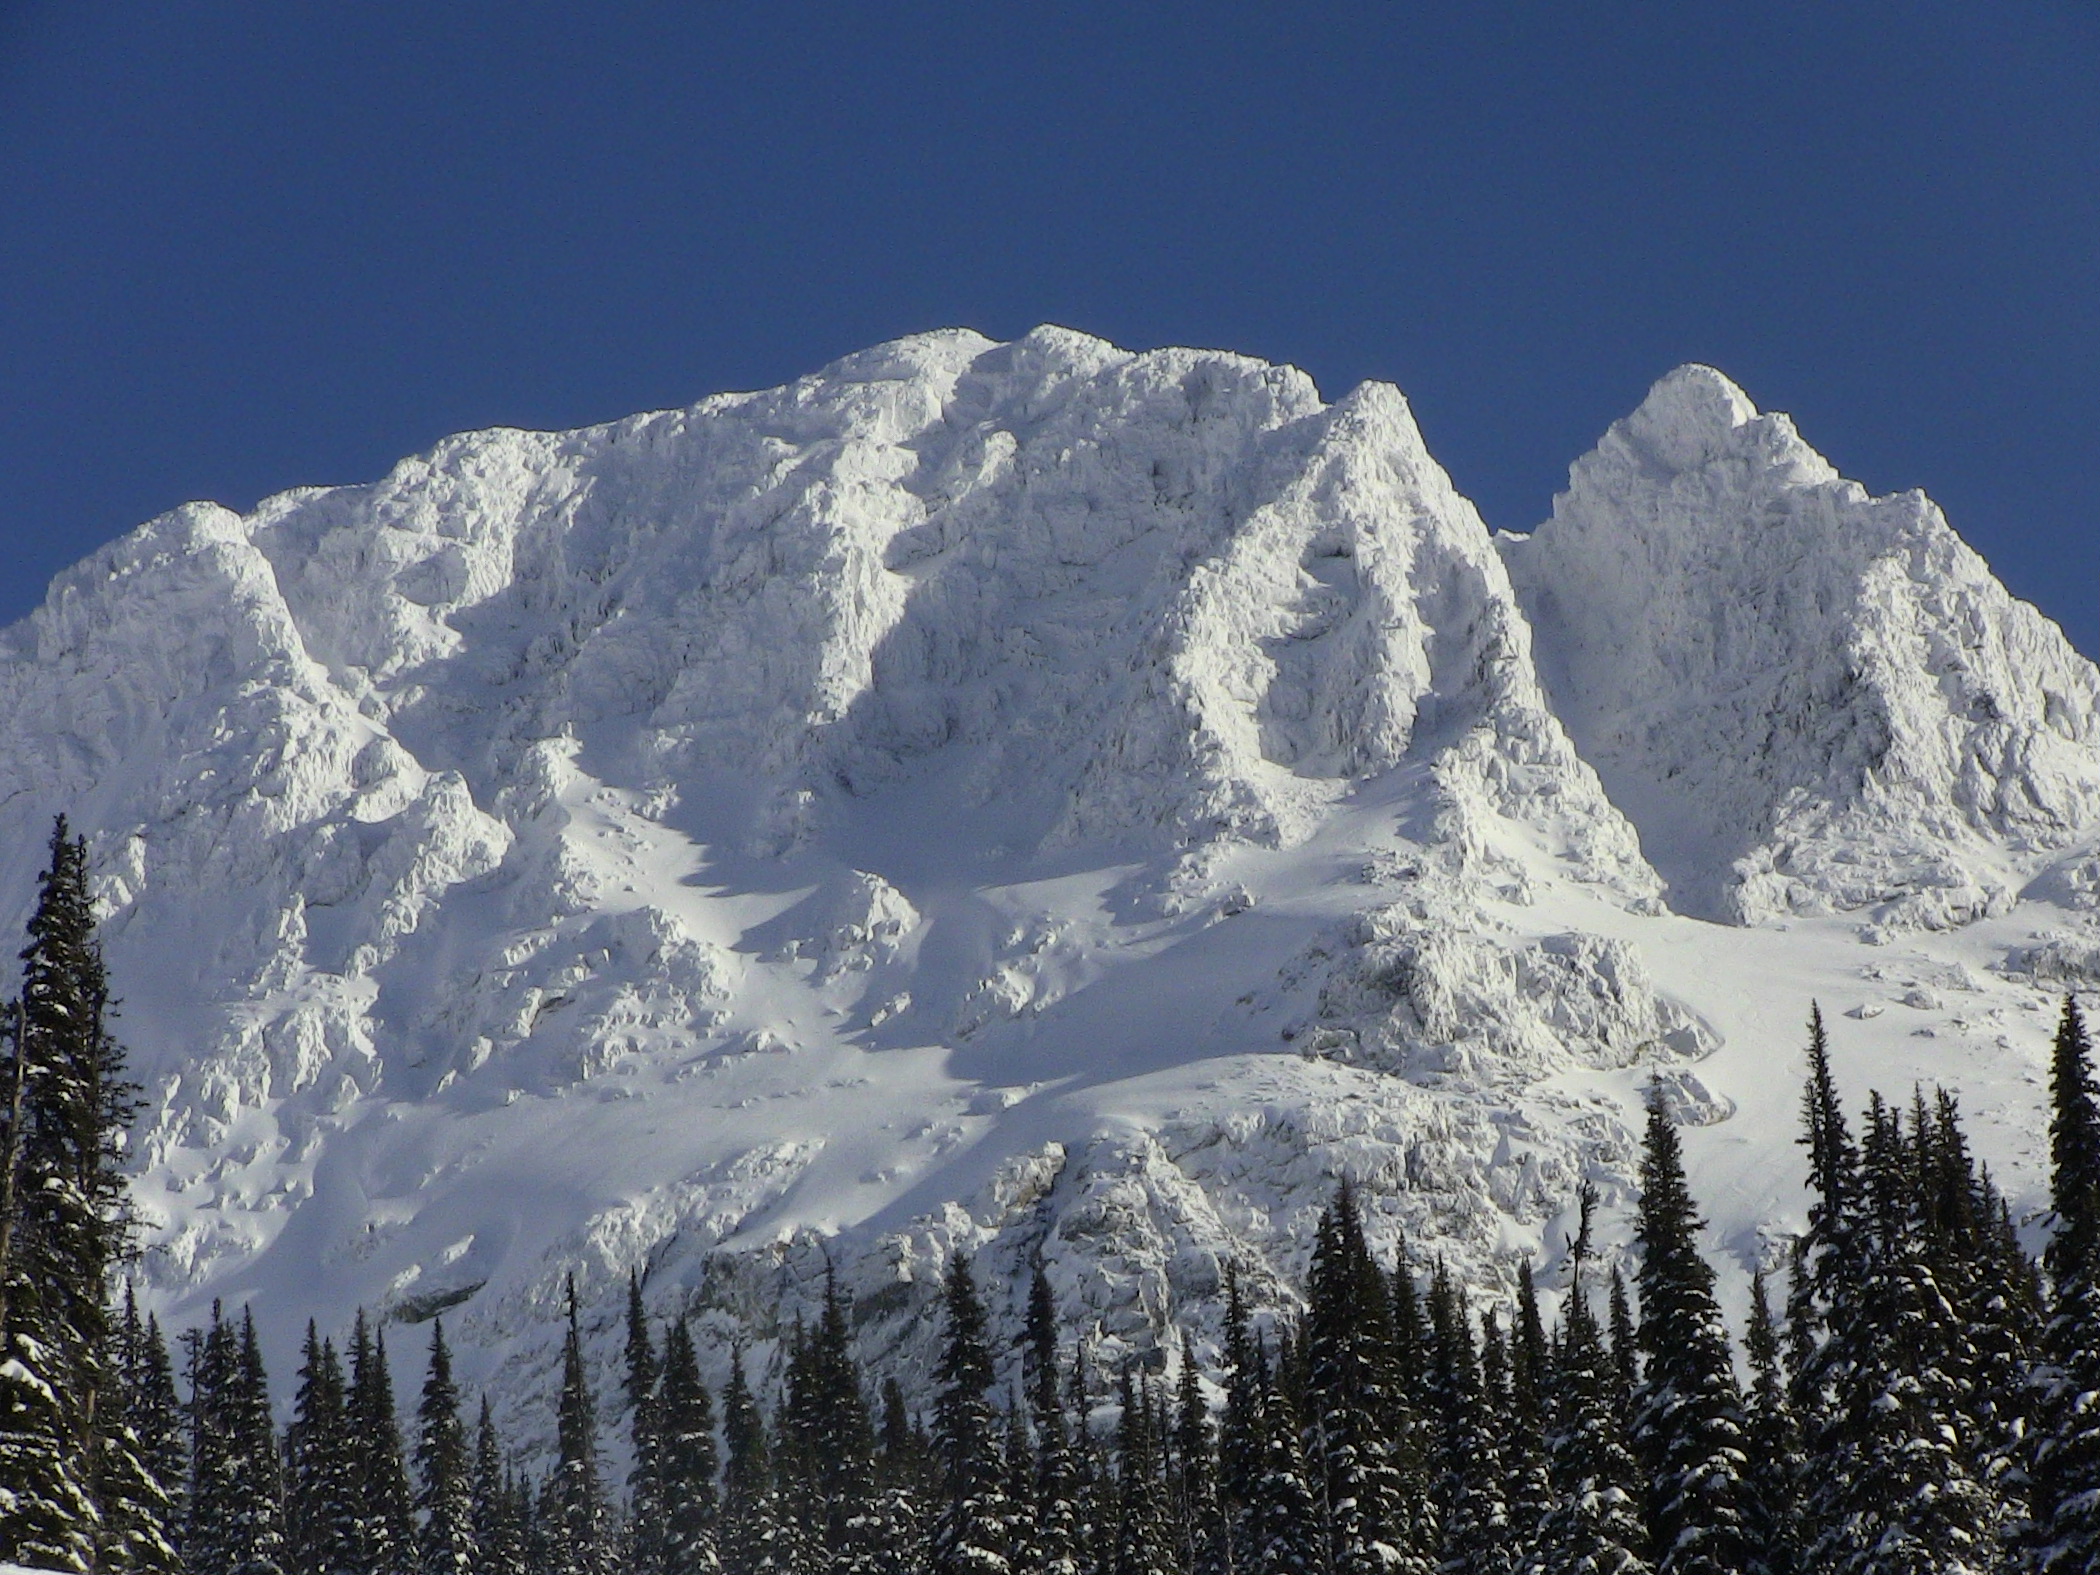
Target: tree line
(1926,1399)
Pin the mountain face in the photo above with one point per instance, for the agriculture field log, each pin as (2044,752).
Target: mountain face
(1036,799)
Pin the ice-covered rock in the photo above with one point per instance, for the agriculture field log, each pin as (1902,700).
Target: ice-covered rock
(1027,798)
(1807,699)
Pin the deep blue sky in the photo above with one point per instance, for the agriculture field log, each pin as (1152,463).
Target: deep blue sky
(249,246)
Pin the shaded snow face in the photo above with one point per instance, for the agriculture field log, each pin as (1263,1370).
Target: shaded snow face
(1809,700)
(1031,798)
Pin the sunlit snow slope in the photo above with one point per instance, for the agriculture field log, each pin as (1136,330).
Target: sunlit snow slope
(1037,799)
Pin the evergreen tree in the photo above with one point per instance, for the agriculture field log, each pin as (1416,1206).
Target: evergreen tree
(255,1500)
(1687,1411)
(1373,1510)
(687,1460)
(2064,1492)
(386,1543)
(1593,1526)
(1777,1465)
(970,1538)
(1281,1530)
(1470,1488)
(1144,1541)
(1903,1498)
(1625,1344)
(645,1499)
(444,1473)
(322,1498)
(499,1533)
(137,1489)
(575,1497)
(1202,1546)
(1528,1487)
(1055,1528)
(1241,1440)
(751,1528)
(828,1412)
(904,1481)
(63,1228)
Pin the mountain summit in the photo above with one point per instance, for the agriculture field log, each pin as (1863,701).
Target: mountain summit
(1034,798)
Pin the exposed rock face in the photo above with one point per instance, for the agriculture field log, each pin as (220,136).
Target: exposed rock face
(1029,797)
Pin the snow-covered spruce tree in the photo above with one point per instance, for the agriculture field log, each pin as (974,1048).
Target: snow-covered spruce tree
(1822,1293)
(1199,1527)
(1240,1441)
(255,1500)
(904,1482)
(1051,1494)
(444,1473)
(1281,1532)
(63,1228)
(1625,1343)
(970,1536)
(754,1539)
(322,1500)
(1144,1535)
(645,1507)
(1904,1498)
(386,1538)
(575,1496)
(138,1483)
(2064,1489)
(687,1460)
(1469,1473)
(499,1537)
(1373,1518)
(827,1411)
(1527,1487)
(1776,1462)
(1593,1526)
(1687,1427)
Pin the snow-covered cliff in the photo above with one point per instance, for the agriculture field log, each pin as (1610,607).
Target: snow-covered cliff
(1036,798)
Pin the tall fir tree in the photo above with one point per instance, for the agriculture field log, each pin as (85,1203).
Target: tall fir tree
(1687,1411)
(1374,1519)
(1529,1489)
(1144,1537)
(385,1521)
(1776,1464)
(752,1533)
(970,1537)
(1202,1547)
(444,1470)
(1593,1526)
(687,1460)
(2064,1487)
(255,1501)
(575,1496)
(1281,1534)
(63,1229)
(645,1501)
(1052,1494)
(138,1485)
(323,1501)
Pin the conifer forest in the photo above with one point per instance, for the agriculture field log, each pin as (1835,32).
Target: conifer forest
(1914,1393)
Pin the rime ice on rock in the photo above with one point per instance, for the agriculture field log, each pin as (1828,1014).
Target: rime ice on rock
(1026,797)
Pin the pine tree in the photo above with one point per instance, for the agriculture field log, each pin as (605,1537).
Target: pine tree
(970,1538)
(1625,1343)
(1373,1510)
(322,1503)
(1469,1489)
(63,1228)
(575,1496)
(444,1484)
(1144,1541)
(904,1481)
(751,1528)
(2065,1472)
(828,1413)
(687,1460)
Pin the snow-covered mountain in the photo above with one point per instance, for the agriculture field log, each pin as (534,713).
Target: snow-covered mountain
(1039,799)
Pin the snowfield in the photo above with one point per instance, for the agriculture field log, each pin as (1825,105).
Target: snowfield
(1038,799)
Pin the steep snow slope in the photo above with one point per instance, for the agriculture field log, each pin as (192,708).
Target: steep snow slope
(1807,699)
(1026,797)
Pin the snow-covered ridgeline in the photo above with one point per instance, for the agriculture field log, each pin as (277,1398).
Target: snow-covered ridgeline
(1029,797)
